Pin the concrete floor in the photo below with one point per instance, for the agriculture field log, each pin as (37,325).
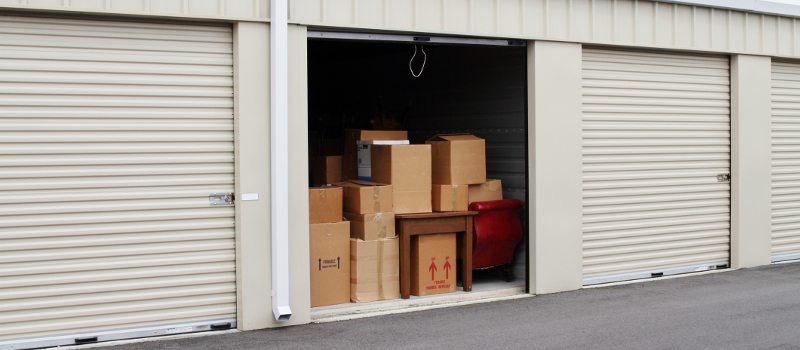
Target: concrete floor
(745,309)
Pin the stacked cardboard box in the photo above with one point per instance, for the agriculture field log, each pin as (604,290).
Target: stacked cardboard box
(329,247)
(491,190)
(365,155)
(459,160)
(326,170)
(408,169)
(374,247)
(351,138)
(433,264)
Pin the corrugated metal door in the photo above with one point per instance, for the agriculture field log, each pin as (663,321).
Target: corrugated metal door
(656,148)
(785,161)
(112,136)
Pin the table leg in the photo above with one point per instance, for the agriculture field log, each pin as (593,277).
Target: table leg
(405,261)
(466,260)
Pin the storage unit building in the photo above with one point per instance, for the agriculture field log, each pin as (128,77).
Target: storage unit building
(141,171)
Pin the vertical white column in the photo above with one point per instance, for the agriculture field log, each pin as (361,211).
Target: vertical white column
(251,81)
(751,81)
(279,157)
(554,151)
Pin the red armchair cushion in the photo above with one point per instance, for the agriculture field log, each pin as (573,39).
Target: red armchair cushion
(497,232)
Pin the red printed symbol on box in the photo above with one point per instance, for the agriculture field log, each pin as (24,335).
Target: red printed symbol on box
(447,267)
(432,268)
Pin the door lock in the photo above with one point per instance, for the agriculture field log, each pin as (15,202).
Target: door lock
(724,178)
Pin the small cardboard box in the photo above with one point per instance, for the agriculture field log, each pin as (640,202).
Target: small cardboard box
(326,170)
(365,155)
(450,198)
(408,169)
(433,264)
(374,270)
(458,159)
(491,190)
(363,197)
(324,204)
(351,136)
(370,227)
(330,263)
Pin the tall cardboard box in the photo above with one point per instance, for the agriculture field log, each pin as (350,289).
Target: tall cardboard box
(433,264)
(458,159)
(491,190)
(450,198)
(350,157)
(408,169)
(372,226)
(330,263)
(374,270)
(326,170)
(363,197)
(324,204)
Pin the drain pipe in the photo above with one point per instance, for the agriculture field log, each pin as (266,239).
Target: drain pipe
(279,157)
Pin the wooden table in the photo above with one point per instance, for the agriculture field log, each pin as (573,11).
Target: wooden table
(409,225)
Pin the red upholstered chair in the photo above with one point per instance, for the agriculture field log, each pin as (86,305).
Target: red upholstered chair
(497,232)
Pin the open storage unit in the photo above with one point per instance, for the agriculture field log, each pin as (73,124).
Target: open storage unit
(427,86)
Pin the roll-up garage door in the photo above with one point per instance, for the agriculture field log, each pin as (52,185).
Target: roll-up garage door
(785,161)
(656,163)
(112,137)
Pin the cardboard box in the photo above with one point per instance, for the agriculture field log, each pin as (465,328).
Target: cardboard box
(326,170)
(458,159)
(450,198)
(330,263)
(370,227)
(324,204)
(433,264)
(491,190)
(364,197)
(374,270)
(364,150)
(350,156)
(408,169)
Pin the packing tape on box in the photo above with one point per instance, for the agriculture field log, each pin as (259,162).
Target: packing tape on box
(376,198)
(453,197)
(382,227)
(380,269)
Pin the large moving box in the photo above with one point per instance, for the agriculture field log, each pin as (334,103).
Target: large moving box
(351,136)
(362,197)
(450,198)
(491,190)
(458,159)
(329,245)
(372,226)
(326,170)
(374,270)
(324,204)
(408,169)
(433,264)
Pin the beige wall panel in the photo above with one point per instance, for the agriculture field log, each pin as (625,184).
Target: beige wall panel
(751,160)
(369,13)
(252,143)
(554,121)
(240,10)
(299,273)
(511,13)
(610,22)
(785,35)
(769,40)
(625,22)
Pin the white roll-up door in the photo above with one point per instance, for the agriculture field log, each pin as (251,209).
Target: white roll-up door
(785,161)
(656,159)
(112,137)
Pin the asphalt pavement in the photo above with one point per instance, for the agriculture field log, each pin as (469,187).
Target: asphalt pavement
(745,309)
